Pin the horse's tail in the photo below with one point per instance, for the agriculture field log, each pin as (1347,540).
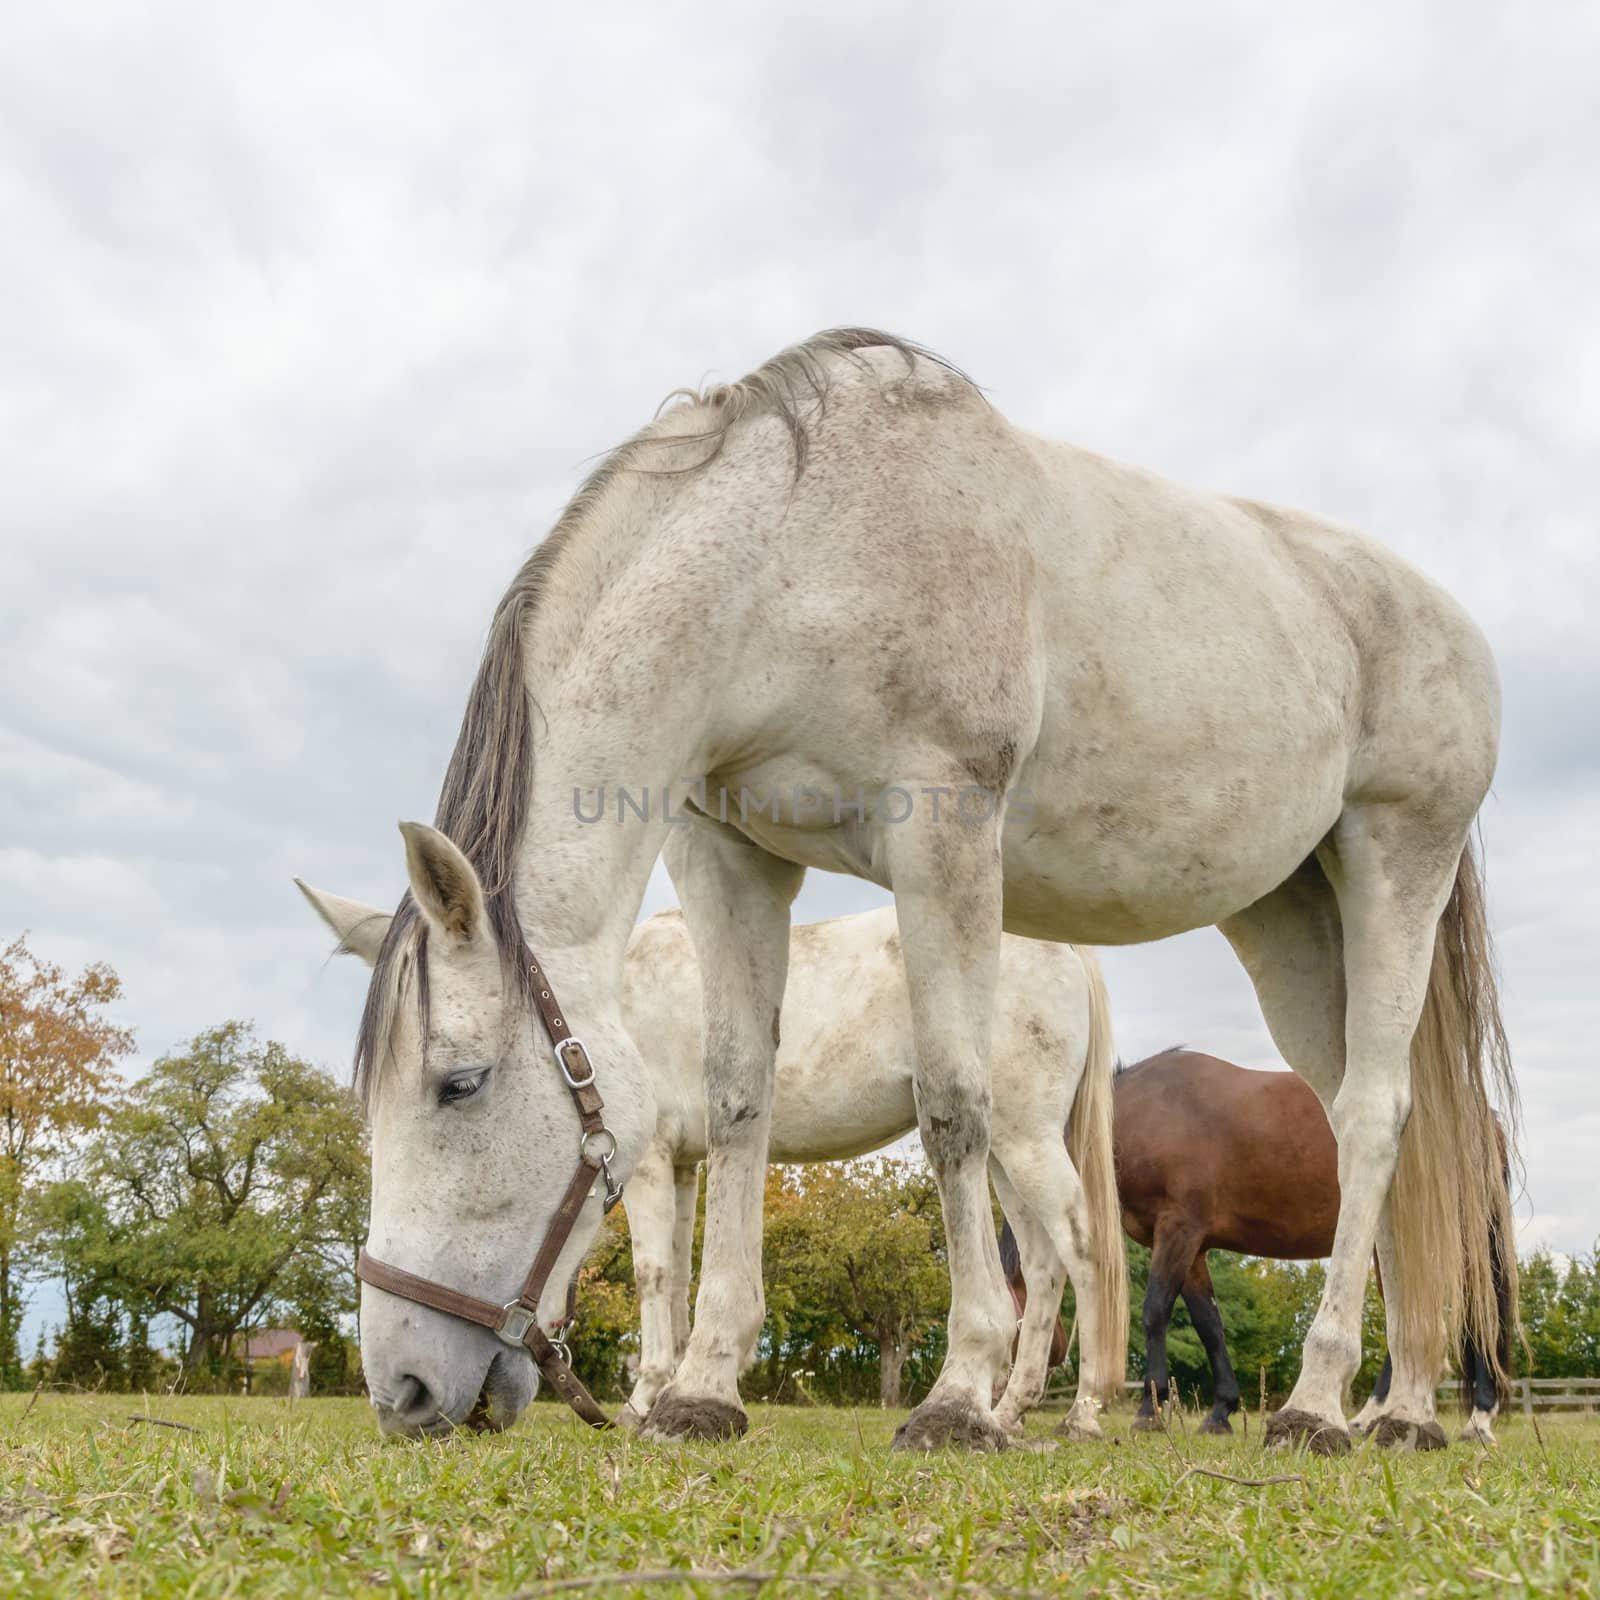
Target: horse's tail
(1089,1144)
(1450,1205)
(1508,1325)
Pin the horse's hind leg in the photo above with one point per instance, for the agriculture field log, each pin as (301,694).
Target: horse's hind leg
(686,1194)
(1044,1274)
(1177,1241)
(945,873)
(1390,878)
(1367,1418)
(1201,1300)
(1039,1182)
(1477,1371)
(649,1204)
(736,901)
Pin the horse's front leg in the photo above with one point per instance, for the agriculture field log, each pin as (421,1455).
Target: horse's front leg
(736,900)
(648,1201)
(946,880)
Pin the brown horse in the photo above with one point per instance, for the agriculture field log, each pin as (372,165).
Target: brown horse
(1211,1156)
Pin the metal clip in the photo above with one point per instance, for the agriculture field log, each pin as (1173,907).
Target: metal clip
(613,1188)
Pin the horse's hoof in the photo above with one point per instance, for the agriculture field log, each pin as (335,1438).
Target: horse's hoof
(1218,1426)
(1304,1430)
(629,1420)
(1395,1433)
(1079,1430)
(1008,1424)
(683,1417)
(1478,1429)
(1143,1424)
(939,1424)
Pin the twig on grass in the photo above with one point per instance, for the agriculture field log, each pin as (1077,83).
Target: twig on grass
(1228,1477)
(753,1577)
(161,1422)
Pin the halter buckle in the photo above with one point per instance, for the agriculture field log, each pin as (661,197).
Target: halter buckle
(570,1042)
(515,1321)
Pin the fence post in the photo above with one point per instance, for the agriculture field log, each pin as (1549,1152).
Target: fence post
(1527,1396)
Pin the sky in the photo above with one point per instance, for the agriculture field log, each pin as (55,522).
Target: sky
(313,318)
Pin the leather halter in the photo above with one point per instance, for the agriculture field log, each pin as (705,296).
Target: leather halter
(517,1322)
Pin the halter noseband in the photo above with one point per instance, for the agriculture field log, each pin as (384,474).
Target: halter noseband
(517,1322)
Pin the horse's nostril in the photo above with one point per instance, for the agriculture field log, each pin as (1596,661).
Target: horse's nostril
(415,1404)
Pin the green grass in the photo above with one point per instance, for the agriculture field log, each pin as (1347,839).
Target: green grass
(265,1500)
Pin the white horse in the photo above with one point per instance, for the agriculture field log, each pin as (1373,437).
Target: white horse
(844,614)
(845,1085)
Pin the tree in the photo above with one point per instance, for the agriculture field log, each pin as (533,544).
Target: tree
(607,1329)
(861,1242)
(231,1177)
(56,1059)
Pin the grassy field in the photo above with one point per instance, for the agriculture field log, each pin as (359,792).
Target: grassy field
(262,1499)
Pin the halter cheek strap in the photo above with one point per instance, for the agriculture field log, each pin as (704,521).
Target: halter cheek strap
(517,1322)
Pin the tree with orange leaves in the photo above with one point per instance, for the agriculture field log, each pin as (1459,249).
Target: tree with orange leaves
(56,1061)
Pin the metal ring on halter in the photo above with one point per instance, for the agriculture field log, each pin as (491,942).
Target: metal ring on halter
(561,1061)
(598,1133)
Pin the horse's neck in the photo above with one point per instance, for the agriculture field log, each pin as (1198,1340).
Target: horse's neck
(614,707)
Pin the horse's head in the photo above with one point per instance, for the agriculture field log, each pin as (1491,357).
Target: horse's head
(475,1141)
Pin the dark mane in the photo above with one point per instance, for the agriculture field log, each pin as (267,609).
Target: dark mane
(1160,1055)
(483,802)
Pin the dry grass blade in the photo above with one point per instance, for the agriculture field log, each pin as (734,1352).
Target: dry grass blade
(33,1400)
(1228,1477)
(161,1422)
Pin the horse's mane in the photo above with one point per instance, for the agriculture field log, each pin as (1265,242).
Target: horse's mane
(1160,1055)
(483,802)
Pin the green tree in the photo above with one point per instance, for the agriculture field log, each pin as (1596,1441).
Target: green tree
(57,1054)
(232,1176)
(607,1329)
(862,1243)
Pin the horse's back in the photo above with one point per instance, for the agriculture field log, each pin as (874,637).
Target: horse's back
(1244,1159)
(1141,664)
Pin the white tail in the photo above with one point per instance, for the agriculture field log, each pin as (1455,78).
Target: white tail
(1089,1144)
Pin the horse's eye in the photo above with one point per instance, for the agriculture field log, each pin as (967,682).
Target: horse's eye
(461,1087)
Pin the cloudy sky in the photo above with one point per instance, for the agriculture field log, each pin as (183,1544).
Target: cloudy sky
(312,318)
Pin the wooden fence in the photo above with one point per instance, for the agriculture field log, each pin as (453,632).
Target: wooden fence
(1542,1394)
(1581,1395)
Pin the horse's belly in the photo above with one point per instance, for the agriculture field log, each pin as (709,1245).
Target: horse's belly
(847,1108)
(1145,861)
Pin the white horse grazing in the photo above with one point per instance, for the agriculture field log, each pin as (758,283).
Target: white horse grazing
(844,614)
(846,1069)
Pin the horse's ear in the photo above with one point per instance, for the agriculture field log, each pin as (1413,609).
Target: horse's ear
(444,884)
(359,929)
